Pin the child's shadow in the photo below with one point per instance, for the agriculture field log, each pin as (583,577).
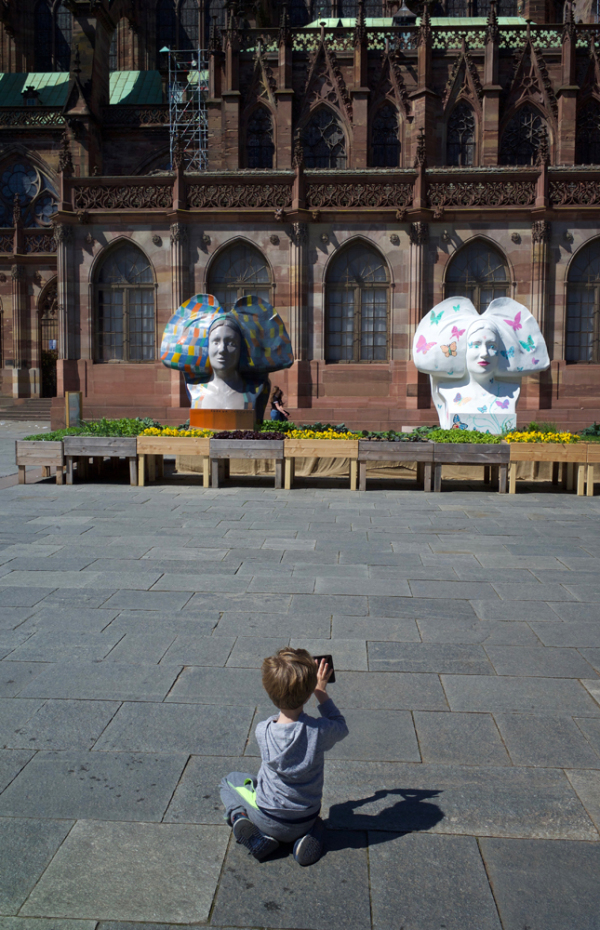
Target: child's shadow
(409,815)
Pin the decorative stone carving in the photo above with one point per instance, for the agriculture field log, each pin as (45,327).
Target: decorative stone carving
(3,278)
(179,233)
(540,231)
(280,215)
(574,193)
(225,196)
(299,233)
(446,236)
(274,240)
(570,238)
(65,159)
(63,233)
(421,153)
(124,197)
(483,193)
(40,242)
(395,239)
(515,237)
(17,272)
(90,241)
(205,239)
(83,217)
(224,364)
(324,238)
(157,241)
(476,363)
(419,233)
(374,194)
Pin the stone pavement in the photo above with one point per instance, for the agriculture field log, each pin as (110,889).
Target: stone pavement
(466,635)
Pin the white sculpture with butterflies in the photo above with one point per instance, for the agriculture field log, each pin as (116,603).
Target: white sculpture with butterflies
(476,362)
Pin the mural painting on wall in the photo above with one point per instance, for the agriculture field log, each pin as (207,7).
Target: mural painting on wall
(226,357)
(476,362)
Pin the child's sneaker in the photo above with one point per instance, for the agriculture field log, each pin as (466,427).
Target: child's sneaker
(246,833)
(308,849)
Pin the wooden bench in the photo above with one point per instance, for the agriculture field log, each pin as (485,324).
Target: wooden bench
(84,448)
(370,450)
(151,449)
(321,449)
(36,453)
(222,450)
(572,456)
(493,455)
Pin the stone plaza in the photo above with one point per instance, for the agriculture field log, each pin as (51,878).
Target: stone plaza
(466,636)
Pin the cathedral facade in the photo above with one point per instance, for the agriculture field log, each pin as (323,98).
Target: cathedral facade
(361,162)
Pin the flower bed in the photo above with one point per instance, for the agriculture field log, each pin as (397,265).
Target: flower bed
(537,436)
(463,437)
(377,449)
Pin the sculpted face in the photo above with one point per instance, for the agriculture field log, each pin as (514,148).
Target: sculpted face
(483,352)
(224,347)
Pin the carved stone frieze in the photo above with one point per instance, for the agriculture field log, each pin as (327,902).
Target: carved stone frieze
(386,194)
(128,196)
(7,242)
(567,193)
(419,233)
(483,193)
(224,196)
(42,241)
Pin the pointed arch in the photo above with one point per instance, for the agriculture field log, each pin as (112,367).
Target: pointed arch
(522,136)
(259,135)
(124,304)
(239,269)
(324,141)
(588,134)
(582,337)
(479,270)
(22,176)
(357,297)
(461,134)
(385,137)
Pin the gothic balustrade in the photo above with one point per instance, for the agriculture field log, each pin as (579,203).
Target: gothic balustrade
(31,117)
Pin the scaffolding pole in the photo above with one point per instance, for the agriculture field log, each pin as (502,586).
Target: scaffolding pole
(188,118)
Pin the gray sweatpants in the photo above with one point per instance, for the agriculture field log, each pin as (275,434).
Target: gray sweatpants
(235,804)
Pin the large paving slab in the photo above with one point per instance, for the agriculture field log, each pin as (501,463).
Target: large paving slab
(26,849)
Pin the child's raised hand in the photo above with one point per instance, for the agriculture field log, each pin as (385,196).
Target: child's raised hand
(323,675)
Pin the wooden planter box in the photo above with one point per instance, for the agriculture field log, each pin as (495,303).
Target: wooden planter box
(84,448)
(321,449)
(492,455)
(593,458)
(221,450)
(39,453)
(572,456)
(151,449)
(370,450)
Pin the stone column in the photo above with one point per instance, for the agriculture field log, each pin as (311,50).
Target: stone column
(419,238)
(66,336)
(298,382)
(20,385)
(179,284)
(540,255)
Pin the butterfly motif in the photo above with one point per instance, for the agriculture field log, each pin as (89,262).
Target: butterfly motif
(424,346)
(436,317)
(449,350)
(457,399)
(451,372)
(457,423)
(456,309)
(502,403)
(508,353)
(529,346)
(535,361)
(519,369)
(462,400)
(456,332)
(483,409)
(516,323)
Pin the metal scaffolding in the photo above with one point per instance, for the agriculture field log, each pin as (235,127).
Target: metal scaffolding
(188,119)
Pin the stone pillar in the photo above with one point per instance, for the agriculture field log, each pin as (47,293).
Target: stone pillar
(20,385)
(491,92)
(540,255)
(299,386)
(419,238)
(63,235)
(179,284)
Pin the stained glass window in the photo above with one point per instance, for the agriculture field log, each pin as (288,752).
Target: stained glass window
(478,272)
(460,147)
(125,329)
(188,19)
(62,49)
(357,306)
(239,271)
(259,139)
(385,143)
(522,137)
(36,193)
(588,135)
(324,141)
(166,28)
(43,37)
(583,306)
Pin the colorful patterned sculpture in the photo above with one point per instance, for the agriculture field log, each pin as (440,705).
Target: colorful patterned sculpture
(227,357)
(476,362)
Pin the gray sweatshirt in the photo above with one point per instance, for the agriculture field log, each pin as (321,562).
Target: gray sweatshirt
(290,779)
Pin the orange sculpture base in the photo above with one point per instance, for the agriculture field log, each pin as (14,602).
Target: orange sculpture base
(221,419)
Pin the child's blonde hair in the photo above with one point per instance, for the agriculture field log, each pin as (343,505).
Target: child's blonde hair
(289,677)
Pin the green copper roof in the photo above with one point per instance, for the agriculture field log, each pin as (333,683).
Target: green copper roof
(52,88)
(136,87)
(349,22)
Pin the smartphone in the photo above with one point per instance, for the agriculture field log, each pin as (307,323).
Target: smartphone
(329,661)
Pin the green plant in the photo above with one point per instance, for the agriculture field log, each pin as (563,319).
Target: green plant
(462,435)
(542,427)
(103,427)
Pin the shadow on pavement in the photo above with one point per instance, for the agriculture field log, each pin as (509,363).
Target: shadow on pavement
(413,813)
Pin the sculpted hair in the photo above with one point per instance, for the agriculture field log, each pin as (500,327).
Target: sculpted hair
(289,677)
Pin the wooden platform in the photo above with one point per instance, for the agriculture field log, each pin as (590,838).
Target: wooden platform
(321,449)
(34,453)
(396,452)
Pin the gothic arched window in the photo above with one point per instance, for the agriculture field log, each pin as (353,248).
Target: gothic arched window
(583,306)
(478,272)
(457,8)
(385,144)
(324,141)
(522,137)
(125,309)
(259,139)
(239,271)
(188,19)
(53,29)
(357,292)
(588,135)
(460,144)
(36,193)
